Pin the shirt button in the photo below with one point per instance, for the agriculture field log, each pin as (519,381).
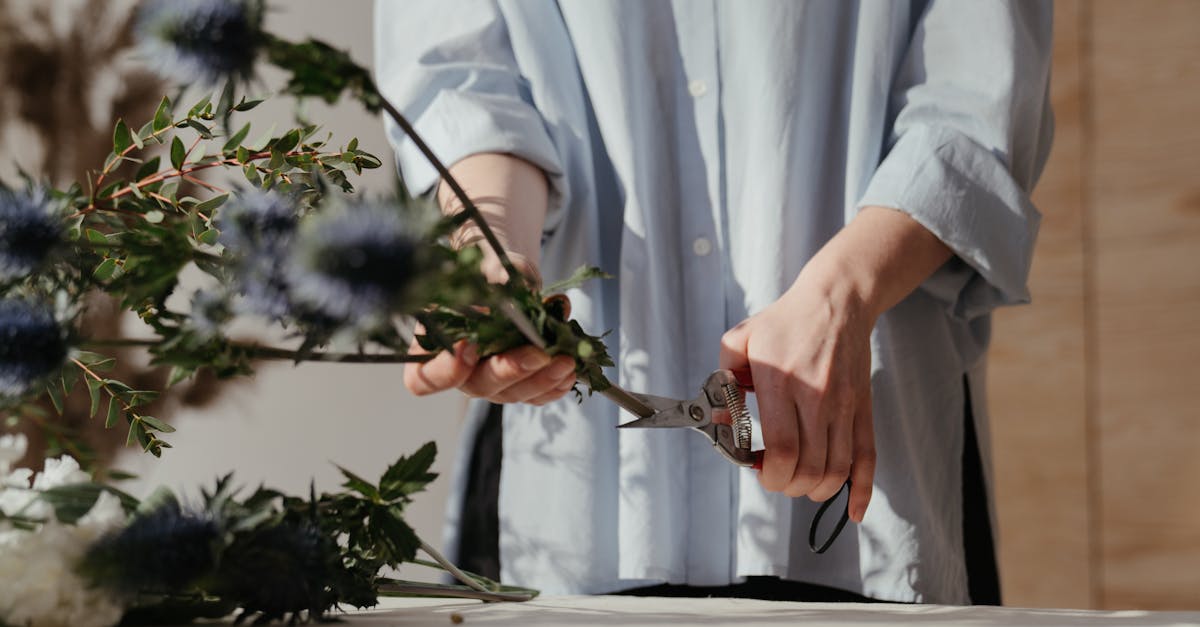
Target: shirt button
(701,246)
(697,88)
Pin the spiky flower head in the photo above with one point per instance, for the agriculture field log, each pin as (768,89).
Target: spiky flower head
(357,262)
(32,345)
(164,550)
(29,230)
(257,229)
(204,41)
(278,569)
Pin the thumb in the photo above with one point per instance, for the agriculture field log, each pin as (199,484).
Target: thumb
(734,347)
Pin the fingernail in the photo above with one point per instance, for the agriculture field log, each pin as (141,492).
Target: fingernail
(533,361)
(469,354)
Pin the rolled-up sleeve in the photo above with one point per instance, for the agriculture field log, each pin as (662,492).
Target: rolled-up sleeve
(970,135)
(449,67)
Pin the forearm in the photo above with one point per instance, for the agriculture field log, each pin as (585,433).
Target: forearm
(876,260)
(511,193)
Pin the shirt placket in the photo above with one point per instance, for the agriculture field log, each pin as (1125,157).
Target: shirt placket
(710,477)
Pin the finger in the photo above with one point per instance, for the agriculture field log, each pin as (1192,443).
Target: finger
(499,372)
(814,443)
(838,459)
(781,431)
(862,469)
(449,369)
(560,390)
(734,347)
(540,382)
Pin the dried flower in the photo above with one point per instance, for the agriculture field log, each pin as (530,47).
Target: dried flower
(202,41)
(355,262)
(257,228)
(32,345)
(29,230)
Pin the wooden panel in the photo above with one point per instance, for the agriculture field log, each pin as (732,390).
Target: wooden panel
(1036,377)
(1146,215)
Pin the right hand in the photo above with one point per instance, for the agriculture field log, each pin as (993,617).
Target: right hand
(522,375)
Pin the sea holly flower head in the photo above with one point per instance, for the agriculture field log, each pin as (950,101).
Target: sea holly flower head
(29,230)
(33,345)
(257,229)
(164,549)
(204,41)
(356,262)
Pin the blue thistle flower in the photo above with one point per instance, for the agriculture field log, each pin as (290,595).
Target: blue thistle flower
(209,311)
(277,569)
(356,263)
(29,230)
(33,345)
(165,550)
(201,41)
(257,228)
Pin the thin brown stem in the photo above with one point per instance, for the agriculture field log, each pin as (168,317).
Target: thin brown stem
(259,351)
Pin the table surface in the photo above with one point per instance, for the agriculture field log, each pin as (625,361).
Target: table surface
(585,611)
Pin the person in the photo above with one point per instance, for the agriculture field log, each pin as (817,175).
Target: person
(833,194)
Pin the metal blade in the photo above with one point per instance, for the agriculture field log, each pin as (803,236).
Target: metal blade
(627,401)
(523,323)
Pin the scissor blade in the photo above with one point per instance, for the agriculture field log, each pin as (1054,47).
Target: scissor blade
(629,402)
(523,323)
(670,418)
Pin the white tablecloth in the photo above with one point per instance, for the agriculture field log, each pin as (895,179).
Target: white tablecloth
(586,611)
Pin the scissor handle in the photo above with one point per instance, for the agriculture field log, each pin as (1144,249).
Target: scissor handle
(744,379)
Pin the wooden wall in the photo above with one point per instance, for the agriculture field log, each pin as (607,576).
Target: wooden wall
(1094,388)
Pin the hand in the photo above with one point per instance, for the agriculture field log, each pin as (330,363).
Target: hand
(809,354)
(522,375)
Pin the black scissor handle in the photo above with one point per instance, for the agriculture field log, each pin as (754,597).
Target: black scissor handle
(837,529)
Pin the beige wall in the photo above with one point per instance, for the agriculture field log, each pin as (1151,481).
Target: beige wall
(1093,388)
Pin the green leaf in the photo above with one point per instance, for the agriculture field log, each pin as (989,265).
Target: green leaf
(209,236)
(95,237)
(114,414)
(235,140)
(288,141)
(353,145)
(121,137)
(200,128)
(199,106)
(207,207)
(94,386)
(581,275)
(56,397)
(177,153)
(179,373)
(360,485)
(105,270)
(246,105)
(154,216)
(162,116)
(409,474)
(156,424)
(243,155)
(148,168)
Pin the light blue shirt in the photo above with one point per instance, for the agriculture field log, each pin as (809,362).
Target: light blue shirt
(703,151)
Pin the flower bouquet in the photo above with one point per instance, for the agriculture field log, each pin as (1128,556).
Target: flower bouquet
(342,277)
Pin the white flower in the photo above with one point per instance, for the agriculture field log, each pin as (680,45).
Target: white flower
(41,587)
(16,497)
(12,448)
(60,472)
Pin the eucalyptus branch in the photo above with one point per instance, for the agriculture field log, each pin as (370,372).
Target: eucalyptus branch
(254,350)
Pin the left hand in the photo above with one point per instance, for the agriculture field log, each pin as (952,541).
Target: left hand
(809,354)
